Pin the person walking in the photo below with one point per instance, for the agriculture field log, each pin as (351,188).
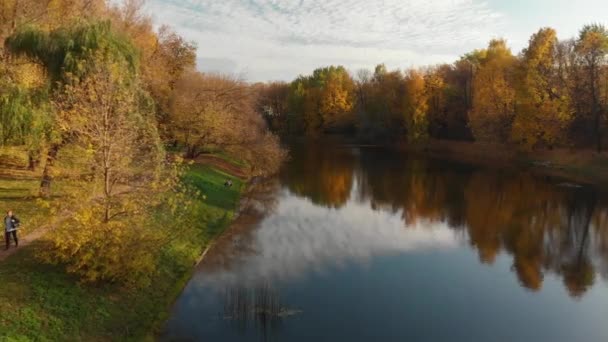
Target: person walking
(11,224)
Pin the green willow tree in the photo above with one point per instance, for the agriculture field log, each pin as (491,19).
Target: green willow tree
(23,118)
(65,53)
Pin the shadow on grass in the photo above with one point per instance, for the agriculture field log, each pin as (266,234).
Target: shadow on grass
(210,182)
(42,301)
(17,198)
(13,189)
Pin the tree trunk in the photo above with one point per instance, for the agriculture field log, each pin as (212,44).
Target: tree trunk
(598,131)
(32,162)
(191,152)
(595,105)
(45,184)
(107,193)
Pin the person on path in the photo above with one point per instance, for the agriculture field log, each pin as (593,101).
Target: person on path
(11,224)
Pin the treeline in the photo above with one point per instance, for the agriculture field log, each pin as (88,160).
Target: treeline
(552,94)
(97,97)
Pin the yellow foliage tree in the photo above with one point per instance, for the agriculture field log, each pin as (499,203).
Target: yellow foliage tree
(205,111)
(323,101)
(592,50)
(493,94)
(416,105)
(337,99)
(105,236)
(210,112)
(543,103)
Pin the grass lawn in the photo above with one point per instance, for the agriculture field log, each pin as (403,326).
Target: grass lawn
(42,303)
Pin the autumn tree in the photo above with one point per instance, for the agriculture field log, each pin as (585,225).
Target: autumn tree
(380,108)
(416,105)
(337,99)
(204,111)
(543,102)
(303,105)
(272,102)
(105,236)
(451,120)
(262,152)
(65,53)
(323,101)
(46,14)
(216,112)
(467,65)
(493,105)
(164,55)
(23,87)
(436,89)
(592,50)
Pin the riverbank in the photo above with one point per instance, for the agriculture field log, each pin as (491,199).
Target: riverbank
(583,166)
(42,302)
(576,165)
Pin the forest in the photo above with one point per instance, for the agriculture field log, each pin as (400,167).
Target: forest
(554,93)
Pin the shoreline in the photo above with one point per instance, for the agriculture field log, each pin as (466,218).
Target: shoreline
(577,165)
(584,166)
(180,285)
(248,183)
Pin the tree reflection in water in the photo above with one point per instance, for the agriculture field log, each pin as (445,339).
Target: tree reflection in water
(397,231)
(544,225)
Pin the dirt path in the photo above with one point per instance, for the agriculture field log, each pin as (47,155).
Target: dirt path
(24,241)
(222,164)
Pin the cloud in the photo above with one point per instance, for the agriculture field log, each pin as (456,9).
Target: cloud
(217,65)
(283,38)
(299,238)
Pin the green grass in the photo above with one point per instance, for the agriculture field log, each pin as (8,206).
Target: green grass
(39,302)
(19,188)
(19,195)
(211,182)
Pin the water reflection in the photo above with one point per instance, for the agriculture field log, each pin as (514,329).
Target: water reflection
(395,246)
(260,307)
(546,225)
(301,237)
(325,175)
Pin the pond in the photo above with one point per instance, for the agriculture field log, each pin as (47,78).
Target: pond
(371,244)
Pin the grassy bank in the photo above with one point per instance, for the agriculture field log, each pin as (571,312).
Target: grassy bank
(584,166)
(43,303)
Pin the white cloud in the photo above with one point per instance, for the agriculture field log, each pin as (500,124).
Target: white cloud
(279,39)
(300,237)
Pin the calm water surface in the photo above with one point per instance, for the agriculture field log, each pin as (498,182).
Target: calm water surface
(367,244)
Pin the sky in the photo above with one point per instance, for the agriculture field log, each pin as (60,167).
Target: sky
(264,40)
